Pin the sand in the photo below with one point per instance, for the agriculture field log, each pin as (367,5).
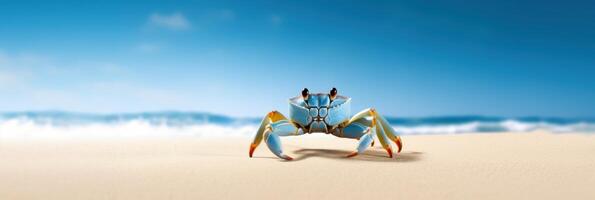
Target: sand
(468,166)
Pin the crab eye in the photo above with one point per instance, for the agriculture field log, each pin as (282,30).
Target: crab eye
(333,93)
(305,93)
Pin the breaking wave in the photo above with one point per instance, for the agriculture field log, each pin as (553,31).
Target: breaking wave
(164,124)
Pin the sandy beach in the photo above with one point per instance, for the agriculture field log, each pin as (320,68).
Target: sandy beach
(465,166)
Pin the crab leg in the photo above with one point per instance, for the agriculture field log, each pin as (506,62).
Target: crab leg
(381,127)
(271,117)
(364,143)
(280,128)
(389,131)
(273,126)
(382,137)
(357,130)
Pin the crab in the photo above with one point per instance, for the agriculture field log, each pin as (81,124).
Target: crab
(325,113)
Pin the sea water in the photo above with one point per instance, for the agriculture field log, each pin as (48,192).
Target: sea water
(198,124)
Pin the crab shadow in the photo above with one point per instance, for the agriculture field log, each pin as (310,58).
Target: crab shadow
(374,155)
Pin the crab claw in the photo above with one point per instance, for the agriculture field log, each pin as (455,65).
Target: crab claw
(286,157)
(399,144)
(252,148)
(389,131)
(352,154)
(390,152)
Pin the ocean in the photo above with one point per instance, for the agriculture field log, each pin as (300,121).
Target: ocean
(198,124)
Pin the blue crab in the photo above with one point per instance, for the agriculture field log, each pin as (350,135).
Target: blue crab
(325,113)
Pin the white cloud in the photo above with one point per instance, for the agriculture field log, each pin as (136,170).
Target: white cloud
(3,59)
(148,48)
(16,69)
(38,82)
(276,19)
(7,78)
(143,95)
(25,71)
(111,68)
(23,60)
(175,21)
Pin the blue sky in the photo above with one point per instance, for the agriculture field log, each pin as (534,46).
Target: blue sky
(244,59)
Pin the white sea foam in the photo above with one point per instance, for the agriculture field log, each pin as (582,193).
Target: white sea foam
(26,128)
(503,126)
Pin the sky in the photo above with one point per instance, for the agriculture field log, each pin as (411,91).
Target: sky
(405,58)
